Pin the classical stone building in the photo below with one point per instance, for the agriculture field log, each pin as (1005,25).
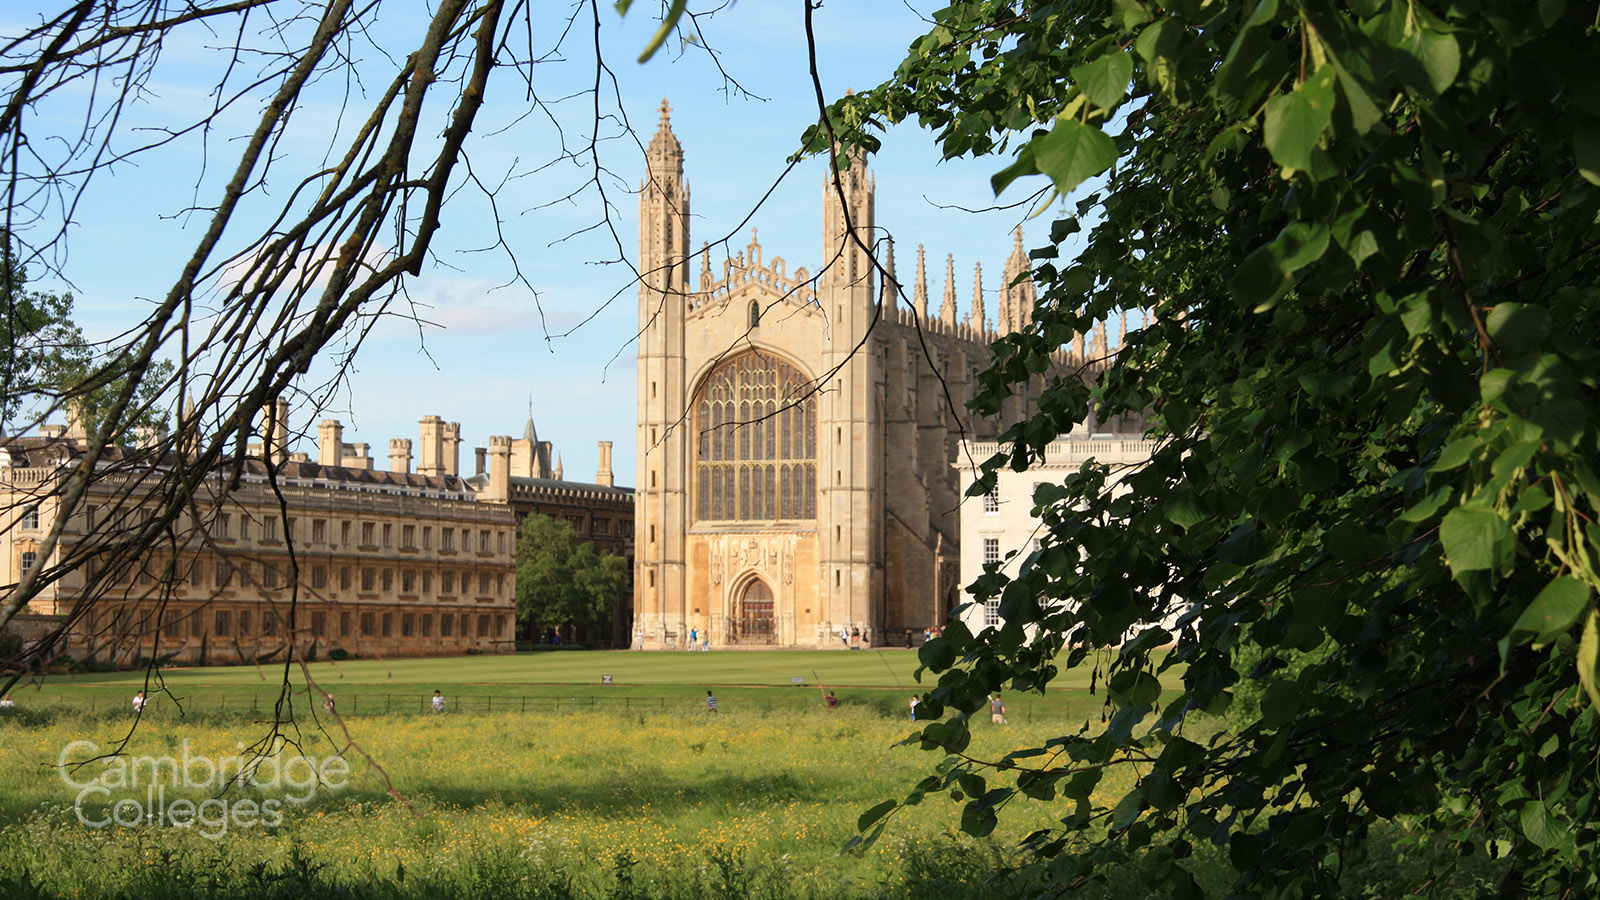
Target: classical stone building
(999,527)
(390,562)
(796,447)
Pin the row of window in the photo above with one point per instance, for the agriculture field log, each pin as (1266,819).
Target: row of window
(269,576)
(371,534)
(227,623)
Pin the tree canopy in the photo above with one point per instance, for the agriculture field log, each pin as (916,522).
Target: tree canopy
(561,579)
(39,343)
(1354,244)
(47,366)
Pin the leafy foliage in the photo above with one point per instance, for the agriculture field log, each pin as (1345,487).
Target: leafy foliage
(561,579)
(1357,245)
(39,344)
(46,364)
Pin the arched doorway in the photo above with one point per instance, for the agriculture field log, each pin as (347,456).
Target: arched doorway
(754,621)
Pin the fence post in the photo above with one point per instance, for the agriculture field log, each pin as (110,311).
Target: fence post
(524,702)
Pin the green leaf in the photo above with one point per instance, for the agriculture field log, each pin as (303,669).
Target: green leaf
(1024,165)
(1352,544)
(1296,121)
(871,816)
(1327,385)
(1589,658)
(1469,534)
(1127,811)
(1364,114)
(1518,327)
(1439,55)
(1072,153)
(1457,452)
(1267,273)
(1105,80)
(1540,827)
(978,819)
(1586,147)
(1183,509)
(1424,509)
(1280,703)
(1135,688)
(1554,610)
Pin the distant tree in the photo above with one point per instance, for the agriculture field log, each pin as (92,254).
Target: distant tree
(39,343)
(47,366)
(561,579)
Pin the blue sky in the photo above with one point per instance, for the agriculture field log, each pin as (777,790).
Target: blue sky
(488,345)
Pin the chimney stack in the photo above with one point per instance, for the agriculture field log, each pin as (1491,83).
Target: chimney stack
(275,431)
(451,448)
(481,453)
(604,476)
(428,453)
(499,488)
(400,455)
(330,443)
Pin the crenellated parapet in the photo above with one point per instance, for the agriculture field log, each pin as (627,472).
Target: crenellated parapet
(746,269)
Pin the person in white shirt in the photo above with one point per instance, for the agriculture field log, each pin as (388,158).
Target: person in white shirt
(438,702)
(138,703)
(5,702)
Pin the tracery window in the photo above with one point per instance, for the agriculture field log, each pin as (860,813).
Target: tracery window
(756,426)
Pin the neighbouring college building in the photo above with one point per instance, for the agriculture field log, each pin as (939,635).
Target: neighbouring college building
(378,562)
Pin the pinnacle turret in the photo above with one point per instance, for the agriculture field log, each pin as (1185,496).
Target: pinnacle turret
(919,293)
(977,312)
(891,284)
(947,309)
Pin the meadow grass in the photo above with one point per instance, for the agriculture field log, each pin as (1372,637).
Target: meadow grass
(744,803)
(551,681)
(538,782)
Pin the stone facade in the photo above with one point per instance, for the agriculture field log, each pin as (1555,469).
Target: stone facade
(1000,527)
(798,432)
(390,563)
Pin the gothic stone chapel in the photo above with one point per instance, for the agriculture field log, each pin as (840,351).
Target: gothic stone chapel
(796,451)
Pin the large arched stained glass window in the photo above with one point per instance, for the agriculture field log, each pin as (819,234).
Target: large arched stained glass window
(756,426)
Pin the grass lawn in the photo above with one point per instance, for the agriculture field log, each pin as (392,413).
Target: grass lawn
(607,804)
(552,681)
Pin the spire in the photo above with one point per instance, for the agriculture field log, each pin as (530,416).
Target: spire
(529,433)
(919,294)
(1017,294)
(947,310)
(665,143)
(705,266)
(977,313)
(891,284)
(559,471)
